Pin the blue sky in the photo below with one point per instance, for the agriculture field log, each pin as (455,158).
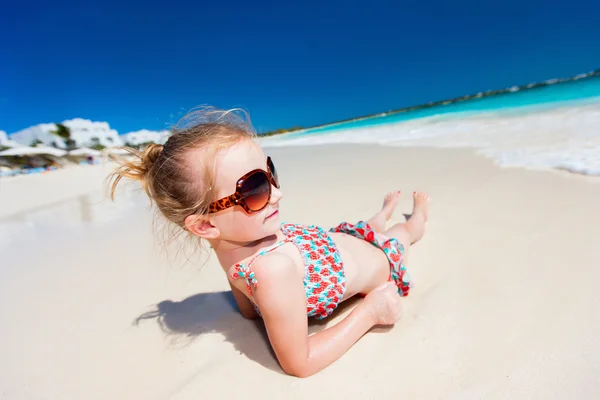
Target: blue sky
(141,64)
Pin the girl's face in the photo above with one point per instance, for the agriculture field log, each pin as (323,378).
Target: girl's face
(235,223)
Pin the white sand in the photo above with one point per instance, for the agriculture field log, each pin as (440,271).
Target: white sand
(25,192)
(504,304)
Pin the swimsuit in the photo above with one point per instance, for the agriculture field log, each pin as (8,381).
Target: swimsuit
(393,249)
(324,279)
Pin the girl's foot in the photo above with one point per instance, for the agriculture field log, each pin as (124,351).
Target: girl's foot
(421,204)
(389,204)
(390,201)
(416,223)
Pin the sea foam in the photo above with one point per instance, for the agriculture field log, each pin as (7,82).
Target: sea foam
(562,136)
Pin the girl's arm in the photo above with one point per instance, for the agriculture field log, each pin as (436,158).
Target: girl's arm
(282,302)
(246,308)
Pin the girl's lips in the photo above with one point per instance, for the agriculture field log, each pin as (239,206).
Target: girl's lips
(273,214)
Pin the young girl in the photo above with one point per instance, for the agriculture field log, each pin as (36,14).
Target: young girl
(213,180)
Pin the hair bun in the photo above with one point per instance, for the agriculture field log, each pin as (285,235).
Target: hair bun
(149,157)
(138,169)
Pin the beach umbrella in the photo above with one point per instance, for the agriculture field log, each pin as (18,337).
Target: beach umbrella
(84,151)
(28,151)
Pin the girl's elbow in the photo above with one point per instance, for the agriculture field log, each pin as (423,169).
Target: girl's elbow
(298,370)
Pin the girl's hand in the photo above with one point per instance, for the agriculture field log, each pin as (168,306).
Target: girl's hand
(383,304)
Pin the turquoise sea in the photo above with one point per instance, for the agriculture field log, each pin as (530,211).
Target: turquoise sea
(556,125)
(581,89)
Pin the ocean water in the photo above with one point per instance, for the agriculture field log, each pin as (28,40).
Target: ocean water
(550,127)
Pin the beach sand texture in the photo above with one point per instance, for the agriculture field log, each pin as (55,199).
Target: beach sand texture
(504,304)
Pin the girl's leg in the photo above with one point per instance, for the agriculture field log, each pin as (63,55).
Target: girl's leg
(412,230)
(378,221)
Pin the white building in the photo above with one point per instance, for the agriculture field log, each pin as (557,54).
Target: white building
(145,136)
(83,131)
(87,133)
(3,139)
(40,133)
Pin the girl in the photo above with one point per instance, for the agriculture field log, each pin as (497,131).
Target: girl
(212,180)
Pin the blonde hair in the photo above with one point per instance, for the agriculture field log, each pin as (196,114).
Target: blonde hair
(177,187)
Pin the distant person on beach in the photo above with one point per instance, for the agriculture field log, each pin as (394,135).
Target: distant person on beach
(213,181)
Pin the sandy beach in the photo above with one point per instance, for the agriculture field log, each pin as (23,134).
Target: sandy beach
(26,192)
(503,305)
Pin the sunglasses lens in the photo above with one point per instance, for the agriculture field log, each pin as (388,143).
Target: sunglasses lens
(273,171)
(256,191)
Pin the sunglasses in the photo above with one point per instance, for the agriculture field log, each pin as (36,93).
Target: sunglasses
(252,191)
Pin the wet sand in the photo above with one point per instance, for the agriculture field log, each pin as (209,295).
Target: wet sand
(503,307)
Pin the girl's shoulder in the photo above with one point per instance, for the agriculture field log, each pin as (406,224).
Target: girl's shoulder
(264,271)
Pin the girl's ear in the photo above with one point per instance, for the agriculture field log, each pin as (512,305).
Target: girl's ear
(201,227)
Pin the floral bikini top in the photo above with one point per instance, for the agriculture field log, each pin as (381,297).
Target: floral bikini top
(324,279)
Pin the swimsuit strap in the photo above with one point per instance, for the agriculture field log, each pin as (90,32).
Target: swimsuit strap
(245,270)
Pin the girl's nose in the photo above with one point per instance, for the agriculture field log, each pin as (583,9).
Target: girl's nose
(276,195)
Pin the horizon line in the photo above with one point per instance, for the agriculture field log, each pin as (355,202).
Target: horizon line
(433,103)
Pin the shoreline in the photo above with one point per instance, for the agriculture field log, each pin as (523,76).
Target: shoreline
(562,136)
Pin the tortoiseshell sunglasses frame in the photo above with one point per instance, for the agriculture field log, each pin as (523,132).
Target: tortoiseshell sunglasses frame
(237,199)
